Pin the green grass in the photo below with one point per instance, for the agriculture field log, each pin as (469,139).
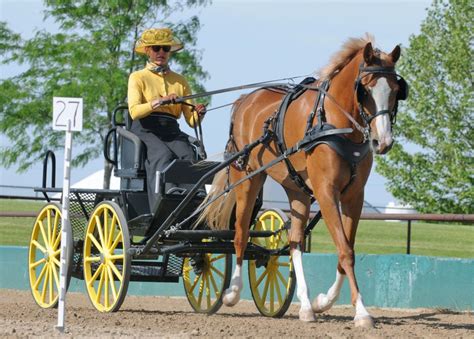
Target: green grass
(380,237)
(16,231)
(375,237)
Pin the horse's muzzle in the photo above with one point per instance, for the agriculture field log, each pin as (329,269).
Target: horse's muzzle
(381,148)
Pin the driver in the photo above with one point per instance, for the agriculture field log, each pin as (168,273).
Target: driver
(154,123)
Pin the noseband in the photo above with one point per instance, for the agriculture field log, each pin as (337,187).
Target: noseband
(361,92)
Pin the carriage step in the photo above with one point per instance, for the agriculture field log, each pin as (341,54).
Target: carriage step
(218,234)
(151,273)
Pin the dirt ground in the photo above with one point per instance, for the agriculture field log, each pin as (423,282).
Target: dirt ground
(173,318)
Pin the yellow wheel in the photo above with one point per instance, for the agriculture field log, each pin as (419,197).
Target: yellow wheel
(272,280)
(44,256)
(106,260)
(205,277)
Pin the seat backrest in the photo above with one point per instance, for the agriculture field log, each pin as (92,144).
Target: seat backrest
(129,151)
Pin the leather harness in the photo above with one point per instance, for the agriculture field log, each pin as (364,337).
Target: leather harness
(321,133)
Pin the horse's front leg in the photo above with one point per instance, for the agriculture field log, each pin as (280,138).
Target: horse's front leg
(246,195)
(300,204)
(351,206)
(343,235)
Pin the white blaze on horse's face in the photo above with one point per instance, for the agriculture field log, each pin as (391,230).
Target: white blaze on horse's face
(383,126)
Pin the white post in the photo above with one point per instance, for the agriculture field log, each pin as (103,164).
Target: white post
(65,230)
(67,116)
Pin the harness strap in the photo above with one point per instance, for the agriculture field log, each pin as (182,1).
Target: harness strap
(292,95)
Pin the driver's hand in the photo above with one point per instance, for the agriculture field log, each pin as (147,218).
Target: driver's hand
(158,102)
(200,109)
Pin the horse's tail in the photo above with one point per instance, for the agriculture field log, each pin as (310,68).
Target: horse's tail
(217,214)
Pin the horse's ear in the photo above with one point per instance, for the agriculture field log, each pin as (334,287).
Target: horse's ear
(395,54)
(368,53)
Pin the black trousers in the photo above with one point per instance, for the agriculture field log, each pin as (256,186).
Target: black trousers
(164,142)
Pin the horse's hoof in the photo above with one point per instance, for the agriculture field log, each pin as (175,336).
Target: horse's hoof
(321,303)
(365,321)
(307,315)
(231,296)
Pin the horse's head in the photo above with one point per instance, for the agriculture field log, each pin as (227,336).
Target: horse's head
(378,89)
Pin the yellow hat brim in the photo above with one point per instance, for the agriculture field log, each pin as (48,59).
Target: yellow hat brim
(157,37)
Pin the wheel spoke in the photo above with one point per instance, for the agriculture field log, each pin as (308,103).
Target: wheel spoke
(214,285)
(56,277)
(40,276)
(99,288)
(48,213)
(278,290)
(45,284)
(194,283)
(56,261)
(116,271)
(259,281)
(94,277)
(112,230)
(55,230)
(208,292)
(265,290)
(43,233)
(57,241)
(91,259)
(272,292)
(96,243)
(50,283)
(106,288)
(98,226)
(219,273)
(117,257)
(279,275)
(112,282)
(116,241)
(218,257)
(37,263)
(201,291)
(39,246)
(106,228)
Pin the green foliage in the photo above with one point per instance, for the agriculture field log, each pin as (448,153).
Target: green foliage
(91,57)
(437,118)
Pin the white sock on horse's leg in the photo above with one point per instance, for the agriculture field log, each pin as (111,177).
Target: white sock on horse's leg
(324,302)
(232,294)
(306,313)
(362,317)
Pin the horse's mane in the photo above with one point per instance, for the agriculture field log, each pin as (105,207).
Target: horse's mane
(341,58)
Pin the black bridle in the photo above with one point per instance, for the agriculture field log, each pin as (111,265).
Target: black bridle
(361,92)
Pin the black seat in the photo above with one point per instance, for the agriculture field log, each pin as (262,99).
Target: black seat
(128,159)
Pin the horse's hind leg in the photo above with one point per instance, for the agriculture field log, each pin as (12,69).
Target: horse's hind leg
(246,195)
(300,204)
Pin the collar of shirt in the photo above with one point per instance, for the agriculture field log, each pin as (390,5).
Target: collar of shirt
(157,69)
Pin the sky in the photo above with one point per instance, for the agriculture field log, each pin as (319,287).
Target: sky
(244,41)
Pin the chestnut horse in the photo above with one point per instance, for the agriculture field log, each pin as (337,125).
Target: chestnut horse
(337,185)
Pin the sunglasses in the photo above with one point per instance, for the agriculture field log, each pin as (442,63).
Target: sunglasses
(156,49)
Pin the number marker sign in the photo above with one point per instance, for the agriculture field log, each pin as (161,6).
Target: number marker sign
(65,109)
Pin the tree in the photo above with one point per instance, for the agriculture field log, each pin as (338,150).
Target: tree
(436,121)
(91,57)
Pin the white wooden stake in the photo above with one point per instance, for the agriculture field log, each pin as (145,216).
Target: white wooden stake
(66,232)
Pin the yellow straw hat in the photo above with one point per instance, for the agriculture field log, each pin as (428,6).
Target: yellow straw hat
(157,36)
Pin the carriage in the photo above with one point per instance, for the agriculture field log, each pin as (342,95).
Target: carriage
(317,142)
(117,239)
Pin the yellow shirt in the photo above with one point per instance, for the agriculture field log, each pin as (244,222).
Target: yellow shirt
(144,86)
